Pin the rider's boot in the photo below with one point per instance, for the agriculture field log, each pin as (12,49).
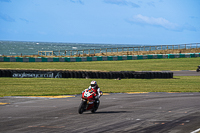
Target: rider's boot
(96,101)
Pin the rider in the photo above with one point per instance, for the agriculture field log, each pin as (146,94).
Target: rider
(96,88)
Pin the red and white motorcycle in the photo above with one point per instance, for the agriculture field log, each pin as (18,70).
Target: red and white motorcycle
(88,101)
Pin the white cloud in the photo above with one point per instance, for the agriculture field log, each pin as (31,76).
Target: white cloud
(144,20)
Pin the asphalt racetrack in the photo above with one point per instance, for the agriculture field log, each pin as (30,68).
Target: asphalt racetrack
(135,113)
(185,73)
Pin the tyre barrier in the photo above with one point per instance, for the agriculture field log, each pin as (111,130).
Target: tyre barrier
(84,74)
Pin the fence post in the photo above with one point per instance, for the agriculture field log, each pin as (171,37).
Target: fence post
(124,49)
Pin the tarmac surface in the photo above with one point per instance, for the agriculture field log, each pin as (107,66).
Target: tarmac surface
(134,113)
(185,73)
(131,113)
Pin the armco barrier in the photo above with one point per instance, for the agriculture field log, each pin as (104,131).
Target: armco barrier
(98,58)
(83,74)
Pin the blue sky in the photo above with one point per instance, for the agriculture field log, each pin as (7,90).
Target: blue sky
(101,21)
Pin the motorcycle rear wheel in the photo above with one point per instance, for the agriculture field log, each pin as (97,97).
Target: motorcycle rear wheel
(81,108)
(197,70)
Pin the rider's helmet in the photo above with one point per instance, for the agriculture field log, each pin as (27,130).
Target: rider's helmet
(93,84)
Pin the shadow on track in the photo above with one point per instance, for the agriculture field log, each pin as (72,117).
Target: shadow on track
(109,112)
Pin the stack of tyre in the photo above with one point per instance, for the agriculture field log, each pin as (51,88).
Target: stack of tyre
(116,75)
(5,73)
(96,74)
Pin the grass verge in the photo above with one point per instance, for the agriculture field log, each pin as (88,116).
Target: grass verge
(51,86)
(125,65)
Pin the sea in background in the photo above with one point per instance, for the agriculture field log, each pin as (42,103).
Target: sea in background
(32,48)
(59,48)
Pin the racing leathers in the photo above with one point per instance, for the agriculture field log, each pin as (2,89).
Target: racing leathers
(97,91)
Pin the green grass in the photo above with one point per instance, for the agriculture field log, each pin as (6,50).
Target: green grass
(126,65)
(51,86)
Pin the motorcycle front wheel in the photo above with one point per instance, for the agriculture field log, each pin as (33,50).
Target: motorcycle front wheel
(95,108)
(197,70)
(81,107)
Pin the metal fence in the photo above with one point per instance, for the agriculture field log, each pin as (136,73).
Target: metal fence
(120,49)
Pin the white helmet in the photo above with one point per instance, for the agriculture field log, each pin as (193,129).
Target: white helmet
(93,84)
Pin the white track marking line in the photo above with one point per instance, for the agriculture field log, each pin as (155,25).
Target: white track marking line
(196,131)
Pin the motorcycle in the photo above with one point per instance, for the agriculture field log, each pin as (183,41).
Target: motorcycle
(88,101)
(198,69)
